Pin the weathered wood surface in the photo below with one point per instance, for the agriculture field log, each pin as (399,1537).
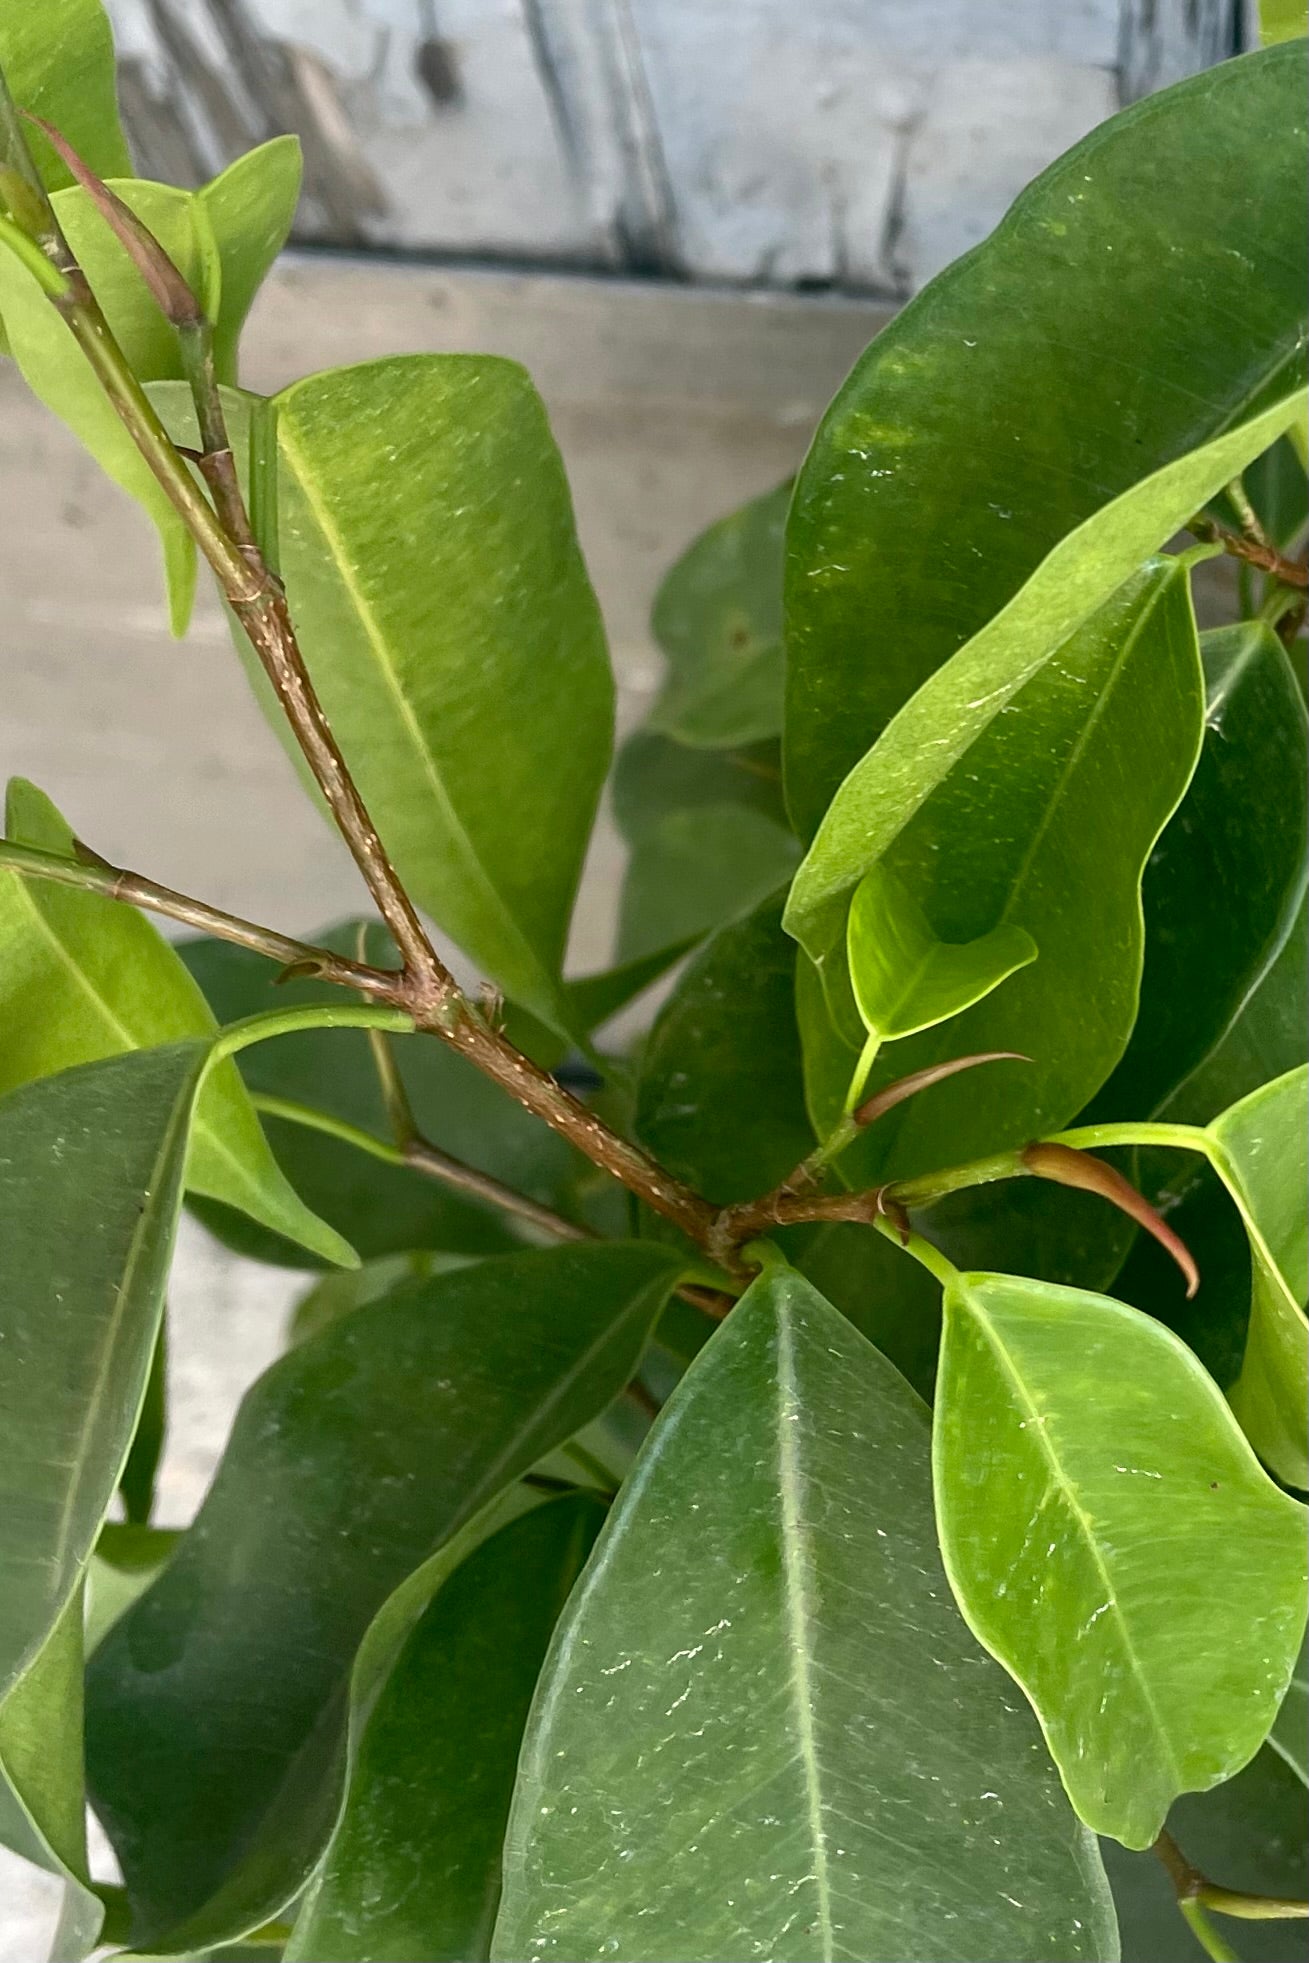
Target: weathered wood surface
(852,144)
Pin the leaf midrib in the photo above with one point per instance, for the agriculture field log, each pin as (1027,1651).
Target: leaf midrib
(798,1589)
(1036,1426)
(343,564)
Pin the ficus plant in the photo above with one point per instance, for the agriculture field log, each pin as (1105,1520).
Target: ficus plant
(818,1482)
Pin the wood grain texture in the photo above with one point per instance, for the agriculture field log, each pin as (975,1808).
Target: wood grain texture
(835,145)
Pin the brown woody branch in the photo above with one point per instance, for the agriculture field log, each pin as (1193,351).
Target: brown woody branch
(1254,551)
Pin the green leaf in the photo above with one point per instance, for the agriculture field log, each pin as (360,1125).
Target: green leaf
(1250,1833)
(1262,1157)
(1282,20)
(762,1729)
(1289,1737)
(414,1865)
(428,550)
(1043,822)
(93,1163)
(126,1560)
(1268,1038)
(42,1790)
(720,1100)
(249,207)
(58,59)
(137,1484)
(904,978)
(83,977)
(1224,881)
(1091,337)
(216,1706)
(708,838)
(718,618)
(1086,1469)
(381,1209)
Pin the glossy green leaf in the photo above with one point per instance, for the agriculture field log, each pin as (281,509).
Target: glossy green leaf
(1251,1833)
(58,59)
(720,1100)
(414,1865)
(82,977)
(126,1560)
(707,834)
(249,208)
(428,549)
(762,1729)
(1091,338)
(904,978)
(1268,1038)
(216,1706)
(718,618)
(1044,823)
(1224,881)
(1262,1156)
(381,1209)
(1086,1469)
(93,1162)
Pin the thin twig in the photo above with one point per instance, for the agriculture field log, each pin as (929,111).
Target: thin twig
(93,874)
(1291,572)
(1196,1893)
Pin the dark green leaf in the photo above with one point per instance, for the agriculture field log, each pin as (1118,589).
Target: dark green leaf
(216,1706)
(721,1098)
(893,1302)
(250,207)
(414,1865)
(137,1483)
(92,1162)
(1251,1833)
(707,834)
(1043,823)
(82,977)
(58,59)
(1226,877)
(1091,337)
(1289,1737)
(718,618)
(762,1729)
(1268,1038)
(1086,1469)
(427,545)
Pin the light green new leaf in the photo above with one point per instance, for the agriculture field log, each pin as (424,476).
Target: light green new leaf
(1225,880)
(948,715)
(1091,338)
(1261,1153)
(1086,1470)
(83,977)
(718,618)
(904,978)
(1044,822)
(217,1705)
(248,209)
(1282,20)
(414,1865)
(58,59)
(763,1729)
(429,554)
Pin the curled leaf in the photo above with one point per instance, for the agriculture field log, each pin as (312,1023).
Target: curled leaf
(1069,1167)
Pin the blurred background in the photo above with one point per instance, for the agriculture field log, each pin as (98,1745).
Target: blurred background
(686,217)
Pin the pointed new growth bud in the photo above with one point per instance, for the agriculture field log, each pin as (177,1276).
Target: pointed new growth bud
(886,1099)
(1088,1174)
(169,290)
